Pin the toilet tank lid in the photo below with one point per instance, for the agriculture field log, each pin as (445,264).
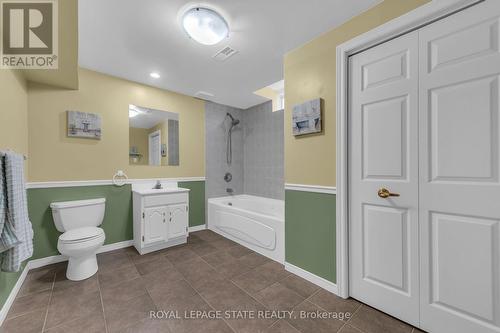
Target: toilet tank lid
(77,203)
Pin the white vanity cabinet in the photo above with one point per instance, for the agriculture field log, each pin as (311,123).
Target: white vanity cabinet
(160,218)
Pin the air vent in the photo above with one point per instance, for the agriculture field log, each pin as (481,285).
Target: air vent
(204,95)
(225,53)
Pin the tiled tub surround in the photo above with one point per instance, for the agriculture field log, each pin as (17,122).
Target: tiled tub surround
(258,151)
(264,152)
(209,273)
(215,151)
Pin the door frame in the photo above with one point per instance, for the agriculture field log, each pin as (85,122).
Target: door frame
(150,136)
(421,16)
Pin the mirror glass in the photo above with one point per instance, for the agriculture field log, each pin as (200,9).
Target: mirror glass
(153,136)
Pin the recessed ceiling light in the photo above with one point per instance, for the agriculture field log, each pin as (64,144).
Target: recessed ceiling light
(205,26)
(155,75)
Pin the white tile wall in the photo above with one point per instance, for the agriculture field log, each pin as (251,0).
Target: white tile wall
(216,166)
(263,152)
(258,151)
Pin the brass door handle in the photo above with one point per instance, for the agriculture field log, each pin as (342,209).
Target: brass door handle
(385,193)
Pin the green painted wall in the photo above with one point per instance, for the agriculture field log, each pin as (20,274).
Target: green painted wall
(196,202)
(7,282)
(117,222)
(310,232)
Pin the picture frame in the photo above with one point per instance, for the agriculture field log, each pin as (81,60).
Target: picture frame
(307,118)
(84,125)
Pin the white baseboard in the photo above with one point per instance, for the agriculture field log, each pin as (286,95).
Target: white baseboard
(13,293)
(115,246)
(37,263)
(198,228)
(317,280)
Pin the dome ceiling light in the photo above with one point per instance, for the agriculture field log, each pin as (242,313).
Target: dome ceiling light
(205,26)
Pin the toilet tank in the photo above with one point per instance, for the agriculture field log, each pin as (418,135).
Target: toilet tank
(78,214)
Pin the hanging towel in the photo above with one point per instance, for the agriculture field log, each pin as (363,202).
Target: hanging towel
(8,237)
(17,213)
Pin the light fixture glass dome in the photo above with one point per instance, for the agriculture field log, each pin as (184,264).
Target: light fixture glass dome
(205,26)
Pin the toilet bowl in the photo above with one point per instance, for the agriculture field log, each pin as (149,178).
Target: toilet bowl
(80,246)
(81,237)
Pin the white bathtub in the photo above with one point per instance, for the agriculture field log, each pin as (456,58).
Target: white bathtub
(254,222)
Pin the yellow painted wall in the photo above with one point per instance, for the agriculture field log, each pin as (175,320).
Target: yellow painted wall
(13,111)
(54,156)
(138,137)
(310,72)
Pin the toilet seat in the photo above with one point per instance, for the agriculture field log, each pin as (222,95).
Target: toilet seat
(80,235)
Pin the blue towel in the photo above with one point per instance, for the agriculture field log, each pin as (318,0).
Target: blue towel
(17,214)
(8,237)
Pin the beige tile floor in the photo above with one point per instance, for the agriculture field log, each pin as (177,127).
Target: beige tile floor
(208,274)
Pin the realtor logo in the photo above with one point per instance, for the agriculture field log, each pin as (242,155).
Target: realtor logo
(29,38)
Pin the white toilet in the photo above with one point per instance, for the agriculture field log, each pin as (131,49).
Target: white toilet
(81,238)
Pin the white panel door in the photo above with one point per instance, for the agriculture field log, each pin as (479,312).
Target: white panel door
(155,148)
(459,167)
(383,154)
(178,221)
(155,229)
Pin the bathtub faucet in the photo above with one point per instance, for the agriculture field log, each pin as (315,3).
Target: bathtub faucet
(229,191)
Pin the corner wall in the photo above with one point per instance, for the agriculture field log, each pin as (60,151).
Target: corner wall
(258,156)
(264,152)
(13,111)
(13,135)
(310,72)
(215,141)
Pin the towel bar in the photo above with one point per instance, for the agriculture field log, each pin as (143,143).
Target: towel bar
(2,153)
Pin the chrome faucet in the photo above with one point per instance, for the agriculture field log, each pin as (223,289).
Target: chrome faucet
(158,185)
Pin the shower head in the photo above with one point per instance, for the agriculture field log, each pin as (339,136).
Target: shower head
(234,122)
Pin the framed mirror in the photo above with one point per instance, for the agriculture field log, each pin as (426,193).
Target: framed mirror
(153,137)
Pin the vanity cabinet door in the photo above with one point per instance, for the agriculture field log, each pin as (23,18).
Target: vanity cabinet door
(154,229)
(178,221)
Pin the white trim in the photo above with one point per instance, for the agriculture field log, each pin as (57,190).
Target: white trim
(13,293)
(317,280)
(311,188)
(78,183)
(37,263)
(197,228)
(116,246)
(419,17)
(152,136)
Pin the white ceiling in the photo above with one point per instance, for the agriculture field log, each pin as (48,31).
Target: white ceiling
(149,118)
(131,38)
